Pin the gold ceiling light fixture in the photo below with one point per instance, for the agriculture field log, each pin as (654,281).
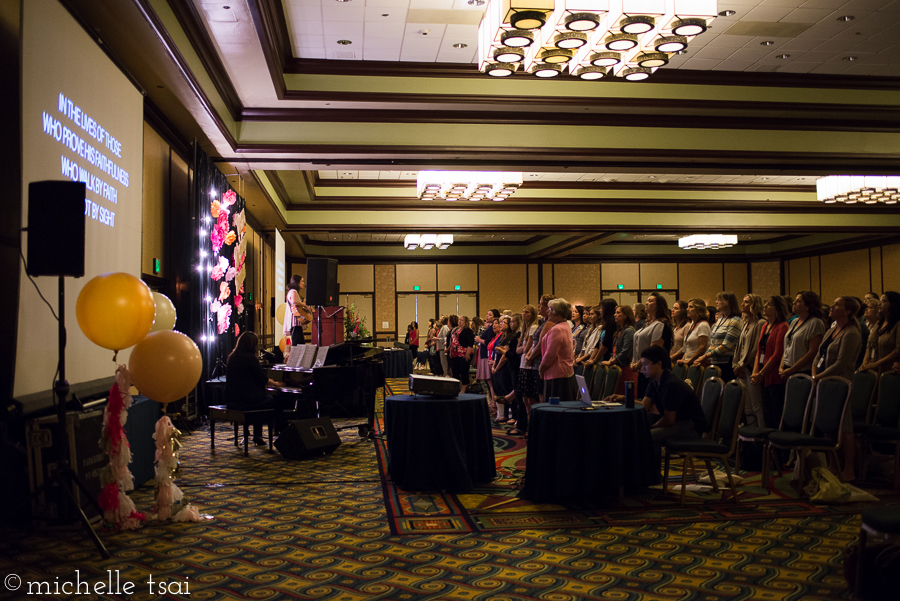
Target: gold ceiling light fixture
(427,241)
(625,37)
(852,189)
(467,185)
(707,241)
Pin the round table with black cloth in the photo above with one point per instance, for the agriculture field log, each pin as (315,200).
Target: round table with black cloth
(439,443)
(397,363)
(576,454)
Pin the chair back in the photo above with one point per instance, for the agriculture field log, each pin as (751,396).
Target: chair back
(612,380)
(710,402)
(887,411)
(862,393)
(734,396)
(597,387)
(832,394)
(797,394)
(588,374)
(679,371)
(694,373)
(712,371)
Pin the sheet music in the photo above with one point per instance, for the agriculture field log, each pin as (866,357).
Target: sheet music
(320,356)
(296,356)
(309,356)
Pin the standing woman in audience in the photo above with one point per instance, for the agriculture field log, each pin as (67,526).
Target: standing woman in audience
(579,329)
(869,324)
(837,357)
(414,341)
(769,353)
(623,347)
(640,316)
(483,365)
(723,337)
(462,340)
(503,370)
(591,337)
(680,326)
(543,326)
(557,355)
(608,329)
(652,334)
(804,335)
(528,381)
(745,355)
(884,343)
(696,340)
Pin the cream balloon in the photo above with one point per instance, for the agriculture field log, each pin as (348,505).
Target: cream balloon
(165,366)
(165,313)
(279,313)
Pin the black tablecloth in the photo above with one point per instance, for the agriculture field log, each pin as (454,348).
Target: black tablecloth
(439,444)
(397,363)
(140,427)
(587,454)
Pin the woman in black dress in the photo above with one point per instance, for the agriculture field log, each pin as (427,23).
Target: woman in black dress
(245,381)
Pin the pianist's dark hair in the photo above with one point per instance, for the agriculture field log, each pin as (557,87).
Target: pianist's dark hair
(246,343)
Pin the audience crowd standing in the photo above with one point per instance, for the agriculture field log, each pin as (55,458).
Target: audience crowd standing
(521,359)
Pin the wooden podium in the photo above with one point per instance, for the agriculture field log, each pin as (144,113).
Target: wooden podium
(331,320)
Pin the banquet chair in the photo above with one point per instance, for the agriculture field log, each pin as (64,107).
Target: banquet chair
(721,446)
(713,371)
(710,399)
(824,433)
(863,387)
(679,371)
(885,428)
(588,374)
(797,395)
(882,521)
(613,373)
(597,385)
(694,374)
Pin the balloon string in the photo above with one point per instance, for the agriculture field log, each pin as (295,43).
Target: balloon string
(115,355)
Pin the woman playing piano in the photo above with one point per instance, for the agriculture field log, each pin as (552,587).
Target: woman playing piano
(245,380)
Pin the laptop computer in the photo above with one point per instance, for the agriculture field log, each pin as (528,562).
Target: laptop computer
(585,397)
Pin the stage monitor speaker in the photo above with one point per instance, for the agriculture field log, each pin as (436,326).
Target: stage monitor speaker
(56,228)
(305,438)
(321,282)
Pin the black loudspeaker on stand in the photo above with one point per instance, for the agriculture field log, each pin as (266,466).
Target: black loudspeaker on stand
(321,282)
(56,222)
(305,438)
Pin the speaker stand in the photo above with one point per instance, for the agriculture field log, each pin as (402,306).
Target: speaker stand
(64,476)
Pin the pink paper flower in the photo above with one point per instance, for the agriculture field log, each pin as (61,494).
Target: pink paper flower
(219,270)
(229,198)
(224,292)
(238,299)
(223,318)
(229,275)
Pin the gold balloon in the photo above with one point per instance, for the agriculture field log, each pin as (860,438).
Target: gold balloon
(279,313)
(115,310)
(282,344)
(165,313)
(165,366)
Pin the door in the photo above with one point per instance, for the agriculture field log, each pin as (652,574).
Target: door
(414,307)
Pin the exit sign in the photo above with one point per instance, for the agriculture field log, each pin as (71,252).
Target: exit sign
(621,286)
(659,286)
(157,266)
(415,287)
(457,287)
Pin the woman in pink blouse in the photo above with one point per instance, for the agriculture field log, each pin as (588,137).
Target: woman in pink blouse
(557,368)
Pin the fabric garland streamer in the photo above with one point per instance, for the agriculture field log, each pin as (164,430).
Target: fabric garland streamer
(167,468)
(116,479)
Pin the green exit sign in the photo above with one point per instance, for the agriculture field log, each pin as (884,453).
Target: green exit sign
(659,286)
(415,287)
(157,266)
(457,287)
(621,286)
(249,296)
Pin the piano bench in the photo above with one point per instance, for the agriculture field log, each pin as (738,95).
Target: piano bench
(244,417)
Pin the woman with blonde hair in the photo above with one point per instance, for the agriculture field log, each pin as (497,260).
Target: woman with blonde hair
(528,380)
(680,326)
(697,338)
(640,316)
(745,353)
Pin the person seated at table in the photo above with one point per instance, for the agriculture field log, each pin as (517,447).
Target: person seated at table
(245,381)
(673,409)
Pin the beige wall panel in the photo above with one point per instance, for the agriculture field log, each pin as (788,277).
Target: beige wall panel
(659,273)
(356,278)
(548,280)
(462,275)
(424,276)
(578,283)
(799,276)
(890,256)
(385,298)
(300,269)
(815,283)
(736,279)
(620,273)
(844,274)
(501,287)
(699,280)
(533,293)
(875,266)
(766,278)
(155,193)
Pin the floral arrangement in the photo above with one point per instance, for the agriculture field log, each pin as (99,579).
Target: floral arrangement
(354,326)
(228,269)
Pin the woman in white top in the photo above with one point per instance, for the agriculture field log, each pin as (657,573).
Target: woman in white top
(680,326)
(697,338)
(804,335)
(745,355)
(590,340)
(652,334)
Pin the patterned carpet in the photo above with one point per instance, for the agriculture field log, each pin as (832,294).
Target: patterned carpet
(319,529)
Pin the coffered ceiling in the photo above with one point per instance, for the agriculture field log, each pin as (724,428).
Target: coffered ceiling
(325,140)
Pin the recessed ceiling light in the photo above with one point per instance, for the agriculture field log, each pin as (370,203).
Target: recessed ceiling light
(783,56)
(344,42)
(850,58)
(460,45)
(682,52)
(846,18)
(727,13)
(476,2)
(385,14)
(767,43)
